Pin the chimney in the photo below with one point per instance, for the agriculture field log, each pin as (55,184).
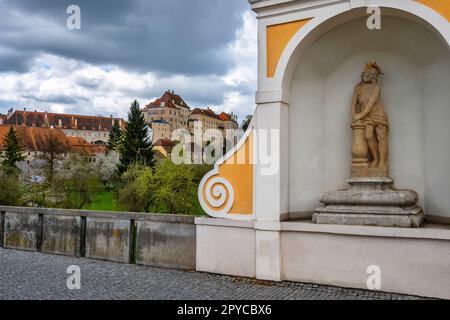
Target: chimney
(10,113)
(24,120)
(46,122)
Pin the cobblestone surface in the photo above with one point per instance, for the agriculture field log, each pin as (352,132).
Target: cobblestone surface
(31,275)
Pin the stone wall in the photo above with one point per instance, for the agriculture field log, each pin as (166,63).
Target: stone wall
(147,239)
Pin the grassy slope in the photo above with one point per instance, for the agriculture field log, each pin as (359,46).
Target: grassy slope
(103,201)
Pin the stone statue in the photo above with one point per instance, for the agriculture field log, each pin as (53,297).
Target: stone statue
(371,199)
(370,126)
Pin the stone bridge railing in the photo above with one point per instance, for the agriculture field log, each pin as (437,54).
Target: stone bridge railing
(146,239)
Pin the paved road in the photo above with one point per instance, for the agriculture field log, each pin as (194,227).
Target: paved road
(30,275)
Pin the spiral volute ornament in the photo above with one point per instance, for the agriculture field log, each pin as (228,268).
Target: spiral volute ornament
(219,194)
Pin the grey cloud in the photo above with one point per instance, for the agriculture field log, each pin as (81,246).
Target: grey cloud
(14,60)
(58,98)
(166,36)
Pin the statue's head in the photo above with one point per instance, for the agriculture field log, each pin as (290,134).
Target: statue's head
(371,72)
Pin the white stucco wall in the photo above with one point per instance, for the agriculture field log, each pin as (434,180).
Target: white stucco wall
(319,255)
(436,117)
(416,95)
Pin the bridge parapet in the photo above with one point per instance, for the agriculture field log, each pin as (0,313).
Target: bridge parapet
(149,239)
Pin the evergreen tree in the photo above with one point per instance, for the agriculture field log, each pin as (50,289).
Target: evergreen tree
(13,149)
(135,144)
(114,138)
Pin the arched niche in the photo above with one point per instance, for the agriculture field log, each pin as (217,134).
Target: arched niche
(415,92)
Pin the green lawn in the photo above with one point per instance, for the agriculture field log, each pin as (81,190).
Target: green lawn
(103,201)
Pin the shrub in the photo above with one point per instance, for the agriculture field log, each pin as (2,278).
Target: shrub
(169,189)
(76,183)
(136,191)
(10,187)
(176,191)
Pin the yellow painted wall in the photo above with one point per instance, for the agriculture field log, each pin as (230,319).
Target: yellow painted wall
(441,6)
(238,170)
(277,37)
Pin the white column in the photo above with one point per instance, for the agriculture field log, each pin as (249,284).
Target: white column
(268,251)
(272,181)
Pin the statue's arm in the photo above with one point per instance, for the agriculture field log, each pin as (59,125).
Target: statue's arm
(373,99)
(355,101)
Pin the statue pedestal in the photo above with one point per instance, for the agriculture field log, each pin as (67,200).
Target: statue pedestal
(370,201)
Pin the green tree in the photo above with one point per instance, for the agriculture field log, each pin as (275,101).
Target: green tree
(52,151)
(10,187)
(115,136)
(36,195)
(175,190)
(200,170)
(13,149)
(137,189)
(76,184)
(105,167)
(169,189)
(246,122)
(136,146)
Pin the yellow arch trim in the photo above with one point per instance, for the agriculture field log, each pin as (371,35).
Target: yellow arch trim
(440,6)
(277,38)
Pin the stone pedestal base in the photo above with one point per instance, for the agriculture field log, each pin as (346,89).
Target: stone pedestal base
(370,202)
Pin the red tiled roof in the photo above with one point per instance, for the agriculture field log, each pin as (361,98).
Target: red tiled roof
(62,121)
(80,144)
(206,112)
(34,139)
(226,117)
(164,143)
(170,100)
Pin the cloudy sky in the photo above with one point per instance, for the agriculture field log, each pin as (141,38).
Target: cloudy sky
(204,50)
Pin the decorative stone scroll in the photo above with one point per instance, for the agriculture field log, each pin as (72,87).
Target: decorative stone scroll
(227,190)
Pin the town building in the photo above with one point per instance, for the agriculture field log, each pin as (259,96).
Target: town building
(171,112)
(35,140)
(160,130)
(94,129)
(170,108)
(214,126)
(162,148)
